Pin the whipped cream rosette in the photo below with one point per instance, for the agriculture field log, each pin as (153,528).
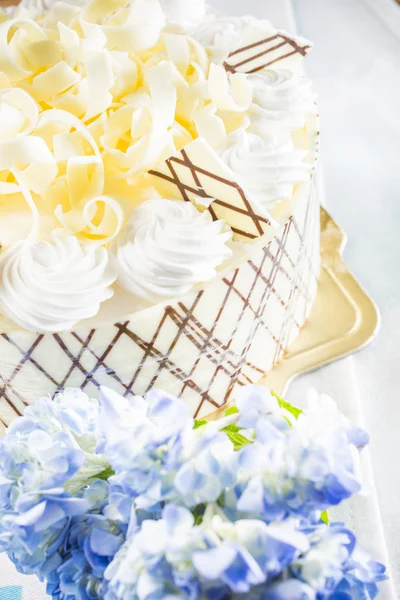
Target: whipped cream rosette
(267,166)
(184,15)
(167,247)
(281,96)
(53,285)
(158,224)
(220,34)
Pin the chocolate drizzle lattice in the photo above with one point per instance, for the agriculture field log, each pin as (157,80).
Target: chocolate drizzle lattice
(201,346)
(263,52)
(196,172)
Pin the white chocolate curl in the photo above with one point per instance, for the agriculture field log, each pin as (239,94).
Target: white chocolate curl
(229,92)
(127,26)
(50,286)
(85,192)
(19,113)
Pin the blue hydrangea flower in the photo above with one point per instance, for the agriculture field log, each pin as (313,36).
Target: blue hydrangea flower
(143,439)
(322,566)
(335,565)
(129,426)
(208,467)
(361,575)
(255,529)
(255,404)
(156,453)
(292,589)
(71,409)
(46,454)
(216,559)
(155,562)
(92,540)
(295,470)
(246,553)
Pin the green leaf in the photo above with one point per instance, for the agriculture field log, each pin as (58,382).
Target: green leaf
(232,410)
(232,428)
(325,517)
(238,440)
(198,423)
(105,474)
(198,514)
(293,410)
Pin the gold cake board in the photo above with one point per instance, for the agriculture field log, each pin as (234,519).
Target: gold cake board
(343,317)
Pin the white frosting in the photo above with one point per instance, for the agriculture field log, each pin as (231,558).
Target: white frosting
(50,286)
(183,15)
(167,247)
(266,166)
(283,96)
(220,34)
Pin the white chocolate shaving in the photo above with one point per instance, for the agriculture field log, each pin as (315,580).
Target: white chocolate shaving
(229,92)
(99,80)
(18,113)
(178,51)
(54,81)
(69,40)
(30,202)
(130,28)
(210,126)
(12,60)
(32,152)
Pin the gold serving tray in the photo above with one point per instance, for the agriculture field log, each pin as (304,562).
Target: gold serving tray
(343,318)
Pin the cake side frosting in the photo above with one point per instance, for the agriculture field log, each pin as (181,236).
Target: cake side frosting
(201,346)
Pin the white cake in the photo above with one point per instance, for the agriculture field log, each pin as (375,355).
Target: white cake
(158,218)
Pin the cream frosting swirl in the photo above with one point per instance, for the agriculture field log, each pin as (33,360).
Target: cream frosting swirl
(283,96)
(167,247)
(219,34)
(267,167)
(49,286)
(183,15)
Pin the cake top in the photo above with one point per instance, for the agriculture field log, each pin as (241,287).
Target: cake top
(142,143)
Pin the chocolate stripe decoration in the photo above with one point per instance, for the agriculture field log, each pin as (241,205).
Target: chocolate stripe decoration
(201,346)
(257,52)
(196,172)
